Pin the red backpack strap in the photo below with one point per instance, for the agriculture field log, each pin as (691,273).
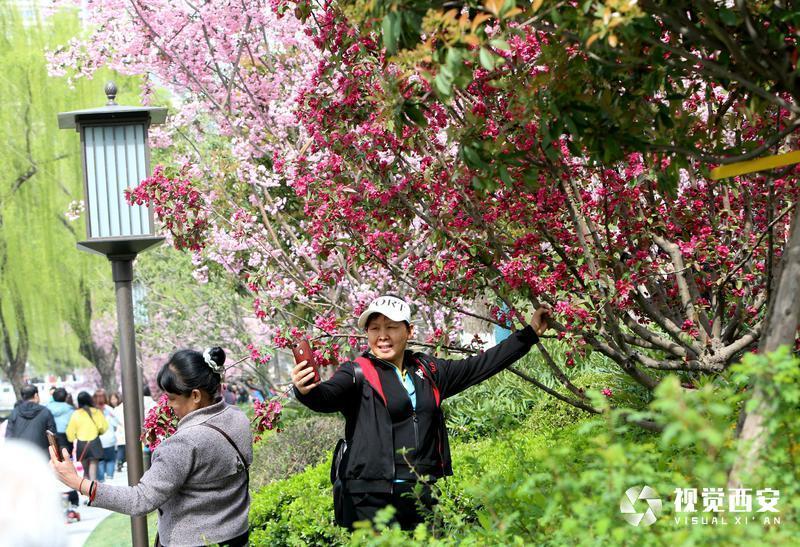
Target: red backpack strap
(427,372)
(371,376)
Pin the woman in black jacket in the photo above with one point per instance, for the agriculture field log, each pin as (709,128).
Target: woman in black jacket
(395,428)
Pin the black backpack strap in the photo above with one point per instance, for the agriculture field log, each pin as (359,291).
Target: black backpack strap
(358,380)
(358,376)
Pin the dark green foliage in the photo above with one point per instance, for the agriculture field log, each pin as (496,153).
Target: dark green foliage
(499,403)
(301,444)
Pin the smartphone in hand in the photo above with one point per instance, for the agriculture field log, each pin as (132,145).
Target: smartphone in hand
(302,352)
(51,438)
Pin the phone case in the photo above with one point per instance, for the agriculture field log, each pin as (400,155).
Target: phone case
(51,438)
(302,352)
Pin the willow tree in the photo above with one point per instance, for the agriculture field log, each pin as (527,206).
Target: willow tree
(43,278)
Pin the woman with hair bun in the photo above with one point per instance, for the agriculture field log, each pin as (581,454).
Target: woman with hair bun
(198,479)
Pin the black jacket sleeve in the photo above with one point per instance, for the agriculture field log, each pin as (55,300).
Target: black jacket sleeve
(51,422)
(333,395)
(10,425)
(453,377)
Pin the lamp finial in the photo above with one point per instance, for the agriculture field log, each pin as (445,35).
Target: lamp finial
(111,93)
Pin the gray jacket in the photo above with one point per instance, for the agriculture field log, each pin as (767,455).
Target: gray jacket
(196,480)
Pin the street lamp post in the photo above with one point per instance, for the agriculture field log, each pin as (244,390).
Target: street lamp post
(116,157)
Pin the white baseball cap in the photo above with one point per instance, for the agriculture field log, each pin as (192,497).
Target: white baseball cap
(392,307)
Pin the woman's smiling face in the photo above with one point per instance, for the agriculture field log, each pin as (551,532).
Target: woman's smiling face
(387,339)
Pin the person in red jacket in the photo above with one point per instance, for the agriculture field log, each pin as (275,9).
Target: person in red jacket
(395,430)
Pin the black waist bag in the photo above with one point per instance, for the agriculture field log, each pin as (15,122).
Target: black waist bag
(337,472)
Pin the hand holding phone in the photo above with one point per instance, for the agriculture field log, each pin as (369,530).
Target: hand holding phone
(51,438)
(302,352)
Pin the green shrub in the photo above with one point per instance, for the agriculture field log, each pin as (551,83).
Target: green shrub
(554,487)
(296,511)
(557,478)
(499,403)
(305,441)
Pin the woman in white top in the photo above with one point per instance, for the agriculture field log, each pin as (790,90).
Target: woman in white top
(116,401)
(106,466)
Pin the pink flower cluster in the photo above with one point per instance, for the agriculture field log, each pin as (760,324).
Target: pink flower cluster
(159,423)
(267,417)
(177,203)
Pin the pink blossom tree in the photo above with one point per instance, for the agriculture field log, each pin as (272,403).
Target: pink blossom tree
(443,163)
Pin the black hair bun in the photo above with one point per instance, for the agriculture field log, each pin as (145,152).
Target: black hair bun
(217,355)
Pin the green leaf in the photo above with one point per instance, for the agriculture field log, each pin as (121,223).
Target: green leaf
(391,31)
(728,17)
(415,114)
(443,84)
(473,158)
(500,44)
(505,176)
(486,58)
(454,60)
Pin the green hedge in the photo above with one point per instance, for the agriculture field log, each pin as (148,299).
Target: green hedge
(296,511)
(558,478)
(299,510)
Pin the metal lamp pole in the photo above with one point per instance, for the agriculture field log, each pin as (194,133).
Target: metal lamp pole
(116,157)
(122,272)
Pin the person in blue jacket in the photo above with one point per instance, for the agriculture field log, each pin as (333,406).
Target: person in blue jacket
(395,429)
(61,411)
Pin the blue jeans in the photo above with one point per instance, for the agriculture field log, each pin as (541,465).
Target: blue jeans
(120,455)
(107,466)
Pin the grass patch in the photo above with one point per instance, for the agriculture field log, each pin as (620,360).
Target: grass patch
(115,531)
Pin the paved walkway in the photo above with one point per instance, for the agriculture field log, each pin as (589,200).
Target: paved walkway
(79,532)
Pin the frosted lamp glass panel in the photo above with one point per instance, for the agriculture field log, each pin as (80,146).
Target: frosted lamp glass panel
(101,183)
(140,221)
(116,161)
(112,183)
(94,218)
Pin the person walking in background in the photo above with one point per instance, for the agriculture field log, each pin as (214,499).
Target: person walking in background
(199,476)
(29,420)
(86,425)
(62,412)
(107,465)
(116,402)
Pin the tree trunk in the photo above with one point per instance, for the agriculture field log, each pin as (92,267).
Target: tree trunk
(13,360)
(781,329)
(103,360)
(105,363)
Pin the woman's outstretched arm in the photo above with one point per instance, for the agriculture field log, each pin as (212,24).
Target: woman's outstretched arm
(454,376)
(329,396)
(170,468)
